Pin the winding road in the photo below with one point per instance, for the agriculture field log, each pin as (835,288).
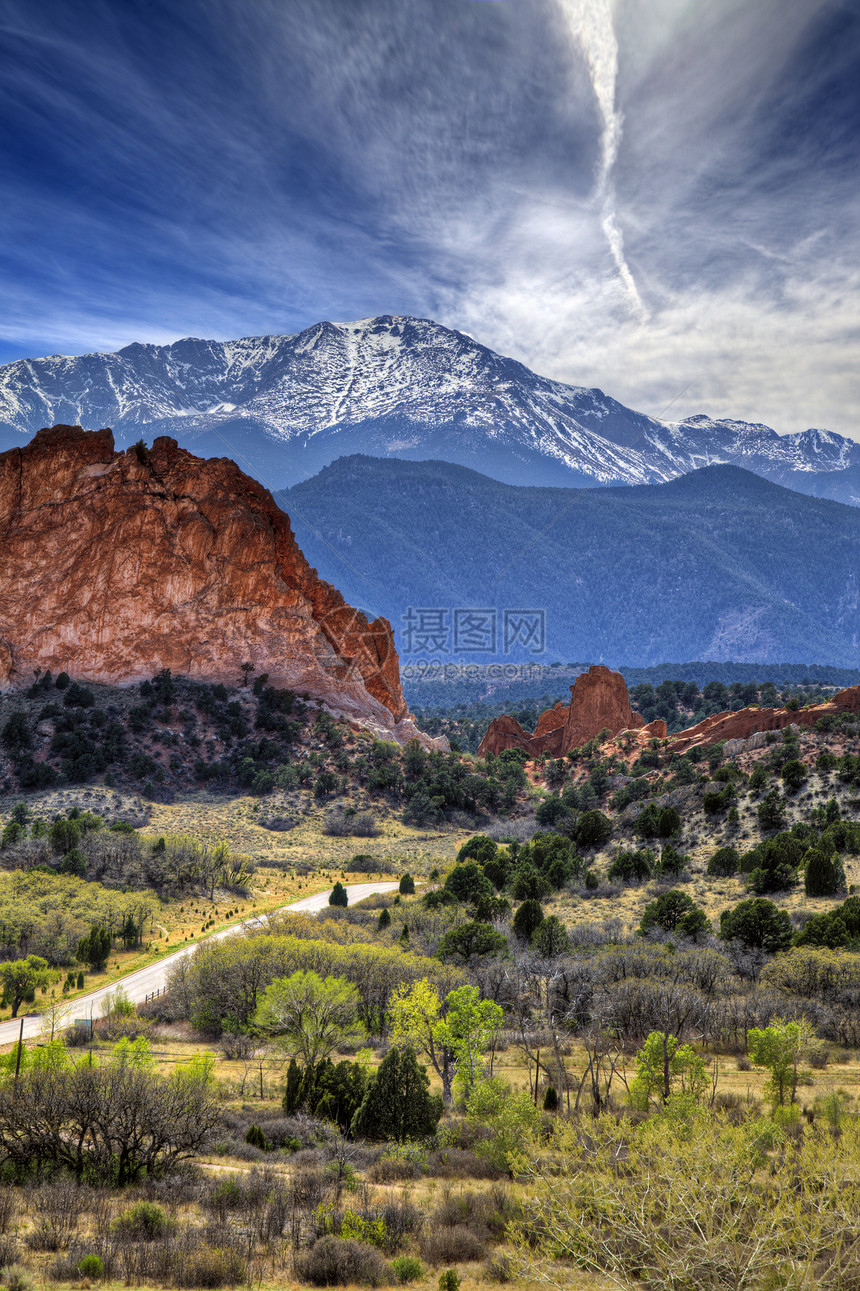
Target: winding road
(153,978)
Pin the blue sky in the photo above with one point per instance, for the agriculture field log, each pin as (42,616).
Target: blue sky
(638,195)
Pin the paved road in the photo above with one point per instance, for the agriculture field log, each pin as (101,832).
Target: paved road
(153,978)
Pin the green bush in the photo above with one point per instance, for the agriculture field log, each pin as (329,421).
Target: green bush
(724,863)
(144,1222)
(91,1266)
(449,1280)
(257,1138)
(407,1268)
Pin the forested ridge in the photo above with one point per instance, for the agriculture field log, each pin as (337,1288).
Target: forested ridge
(719,564)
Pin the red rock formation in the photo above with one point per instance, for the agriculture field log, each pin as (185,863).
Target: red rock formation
(503,733)
(598,701)
(551,719)
(115,565)
(741,725)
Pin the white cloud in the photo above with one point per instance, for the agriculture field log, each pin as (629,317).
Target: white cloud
(614,193)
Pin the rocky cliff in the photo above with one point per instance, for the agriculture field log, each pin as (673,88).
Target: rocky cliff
(115,565)
(598,701)
(721,727)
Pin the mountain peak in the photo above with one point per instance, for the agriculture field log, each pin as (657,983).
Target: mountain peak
(394,385)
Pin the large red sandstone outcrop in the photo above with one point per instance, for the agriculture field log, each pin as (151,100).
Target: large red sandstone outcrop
(598,701)
(115,565)
(747,721)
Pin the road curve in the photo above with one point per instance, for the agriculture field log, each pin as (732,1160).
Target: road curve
(145,981)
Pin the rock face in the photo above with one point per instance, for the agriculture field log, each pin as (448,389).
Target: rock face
(115,565)
(749,722)
(598,701)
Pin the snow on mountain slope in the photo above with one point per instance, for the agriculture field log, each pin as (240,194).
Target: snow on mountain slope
(394,386)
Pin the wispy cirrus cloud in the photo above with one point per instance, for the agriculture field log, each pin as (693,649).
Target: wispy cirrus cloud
(624,194)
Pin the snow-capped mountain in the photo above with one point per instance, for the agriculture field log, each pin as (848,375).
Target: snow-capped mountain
(286,406)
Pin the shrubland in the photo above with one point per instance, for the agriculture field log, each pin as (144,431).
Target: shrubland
(616,1039)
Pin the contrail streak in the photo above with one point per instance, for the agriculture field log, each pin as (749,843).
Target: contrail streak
(590,24)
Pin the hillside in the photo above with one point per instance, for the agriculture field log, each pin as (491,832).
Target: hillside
(401,387)
(717,565)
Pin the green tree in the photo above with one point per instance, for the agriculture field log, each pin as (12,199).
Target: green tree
(94,948)
(469,1028)
(406,887)
(12,834)
(793,774)
(468,883)
(551,939)
(780,1047)
(470,939)
(339,896)
(821,877)
(384,920)
(668,911)
(594,829)
(417,1016)
(669,1069)
(292,1088)
(668,822)
(528,884)
(758,924)
(771,812)
(339,1091)
(398,1104)
(632,867)
(527,920)
(64,835)
(16,733)
(309,1016)
(827,930)
(21,977)
(724,863)
(451,1033)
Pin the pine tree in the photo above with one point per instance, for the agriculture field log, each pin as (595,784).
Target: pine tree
(398,1105)
(528,919)
(821,878)
(338,895)
(293,1088)
(257,1138)
(94,948)
(384,920)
